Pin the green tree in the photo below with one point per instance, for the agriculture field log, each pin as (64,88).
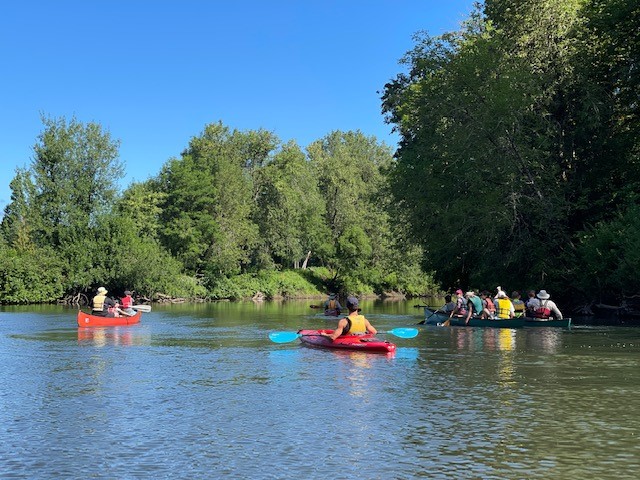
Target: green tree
(206,212)
(289,208)
(485,159)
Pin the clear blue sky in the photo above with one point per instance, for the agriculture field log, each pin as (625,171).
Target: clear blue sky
(155,72)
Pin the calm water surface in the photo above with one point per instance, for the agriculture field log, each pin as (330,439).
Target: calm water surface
(199,391)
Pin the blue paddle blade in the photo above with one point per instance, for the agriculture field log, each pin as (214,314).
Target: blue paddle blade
(283,337)
(404,332)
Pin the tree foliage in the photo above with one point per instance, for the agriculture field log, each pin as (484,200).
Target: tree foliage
(507,132)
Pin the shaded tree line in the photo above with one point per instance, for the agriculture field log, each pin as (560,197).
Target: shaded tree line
(519,155)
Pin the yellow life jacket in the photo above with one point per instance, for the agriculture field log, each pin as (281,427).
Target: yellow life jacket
(503,307)
(98,302)
(356,325)
(518,306)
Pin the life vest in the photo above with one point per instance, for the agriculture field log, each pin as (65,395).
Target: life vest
(461,306)
(518,306)
(98,302)
(331,305)
(127,301)
(477,304)
(542,311)
(490,305)
(355,325)
(503,307)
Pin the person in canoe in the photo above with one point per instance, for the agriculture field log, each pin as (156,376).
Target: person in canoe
(504,306)
(488,305)
(332,306)
(532,303)
(546,306)
(474,306)
(126,303)
(354,323)
(460,310)
(518,304)
(103,306)
(448,306)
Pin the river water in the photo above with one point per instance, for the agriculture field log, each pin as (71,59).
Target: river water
(199,391)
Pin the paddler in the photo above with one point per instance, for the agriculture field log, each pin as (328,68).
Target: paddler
(354,323)
(332,306)
(103,306)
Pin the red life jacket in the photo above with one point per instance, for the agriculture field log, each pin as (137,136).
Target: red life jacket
(542,311)
(127,301)
(490,305)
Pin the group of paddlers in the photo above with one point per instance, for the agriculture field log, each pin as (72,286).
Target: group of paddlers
(500,306)
(104,306)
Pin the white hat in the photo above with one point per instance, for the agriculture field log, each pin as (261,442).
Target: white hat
(102,290)
(543,295)
(501,294)
(470,293)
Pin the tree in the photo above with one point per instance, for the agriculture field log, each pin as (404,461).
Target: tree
(289,208)
(206,211)
(484,162)
(58,202)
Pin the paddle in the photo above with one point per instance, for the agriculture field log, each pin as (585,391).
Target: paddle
(316,306)
(425,320)
(285,337)
(142,308)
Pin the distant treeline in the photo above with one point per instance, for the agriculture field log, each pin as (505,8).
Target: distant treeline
(518,166)
(238,213)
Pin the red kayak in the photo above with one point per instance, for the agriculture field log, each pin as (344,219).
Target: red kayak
(365,343)
(87,320)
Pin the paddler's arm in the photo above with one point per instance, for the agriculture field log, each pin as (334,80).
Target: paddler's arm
(370,328)
(338,331)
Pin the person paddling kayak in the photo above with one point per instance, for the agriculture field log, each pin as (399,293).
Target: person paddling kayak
(332,306)
(354,324)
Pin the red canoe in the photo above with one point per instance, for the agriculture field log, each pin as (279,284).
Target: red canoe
(366,343)
(87,320)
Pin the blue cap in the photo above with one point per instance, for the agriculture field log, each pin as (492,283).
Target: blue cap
(352,303)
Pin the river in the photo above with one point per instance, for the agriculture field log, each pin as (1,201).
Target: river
(199,391)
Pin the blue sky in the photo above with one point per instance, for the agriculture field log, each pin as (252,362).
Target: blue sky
(154,73)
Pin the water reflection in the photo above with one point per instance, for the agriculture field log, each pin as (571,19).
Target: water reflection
(110,336)
(547,340)
(452,403)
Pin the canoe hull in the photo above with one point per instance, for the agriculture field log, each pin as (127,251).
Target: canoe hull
(88,320)
(432,318)
(547,322)
(363,343)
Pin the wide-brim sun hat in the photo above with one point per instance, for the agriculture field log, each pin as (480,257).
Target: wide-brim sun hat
(543,295)
(102,290)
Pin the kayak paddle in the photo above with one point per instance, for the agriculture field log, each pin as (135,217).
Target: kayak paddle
(142,308)
(285,337)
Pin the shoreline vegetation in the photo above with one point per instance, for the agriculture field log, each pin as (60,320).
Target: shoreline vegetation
(517,165)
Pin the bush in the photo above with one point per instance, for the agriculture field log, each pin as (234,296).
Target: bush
(30,277)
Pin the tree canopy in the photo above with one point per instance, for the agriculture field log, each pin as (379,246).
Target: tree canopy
(516,153)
